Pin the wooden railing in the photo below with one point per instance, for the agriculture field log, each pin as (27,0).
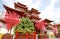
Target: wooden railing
(25,36)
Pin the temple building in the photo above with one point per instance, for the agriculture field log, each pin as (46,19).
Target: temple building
(21,10)
(57,25)
(12,11)
(48,21)
(32,14)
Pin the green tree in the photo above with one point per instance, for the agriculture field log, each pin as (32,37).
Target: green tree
(25,25)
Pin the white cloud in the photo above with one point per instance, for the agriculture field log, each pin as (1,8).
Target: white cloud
(50,12)
(2,14)
(29,3)
(9,3)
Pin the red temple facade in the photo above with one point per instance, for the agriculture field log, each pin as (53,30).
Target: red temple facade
(21,10)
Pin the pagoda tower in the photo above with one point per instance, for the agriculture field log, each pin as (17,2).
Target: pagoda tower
(32,14)
(20,7)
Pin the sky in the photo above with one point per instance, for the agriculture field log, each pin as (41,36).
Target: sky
(49,9)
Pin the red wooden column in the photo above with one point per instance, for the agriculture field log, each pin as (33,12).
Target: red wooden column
(34,35)
(16,36)
(27,36)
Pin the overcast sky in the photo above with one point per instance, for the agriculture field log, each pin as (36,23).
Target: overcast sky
(49,8)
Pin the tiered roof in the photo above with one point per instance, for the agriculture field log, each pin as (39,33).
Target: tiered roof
(47,20)
(8,9)
(20,6)
(22,10)
(35,11)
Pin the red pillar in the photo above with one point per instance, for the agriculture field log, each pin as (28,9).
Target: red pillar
(16,37)
(34,35)
(26,35)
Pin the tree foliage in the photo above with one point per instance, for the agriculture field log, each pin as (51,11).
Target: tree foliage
(24,26)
